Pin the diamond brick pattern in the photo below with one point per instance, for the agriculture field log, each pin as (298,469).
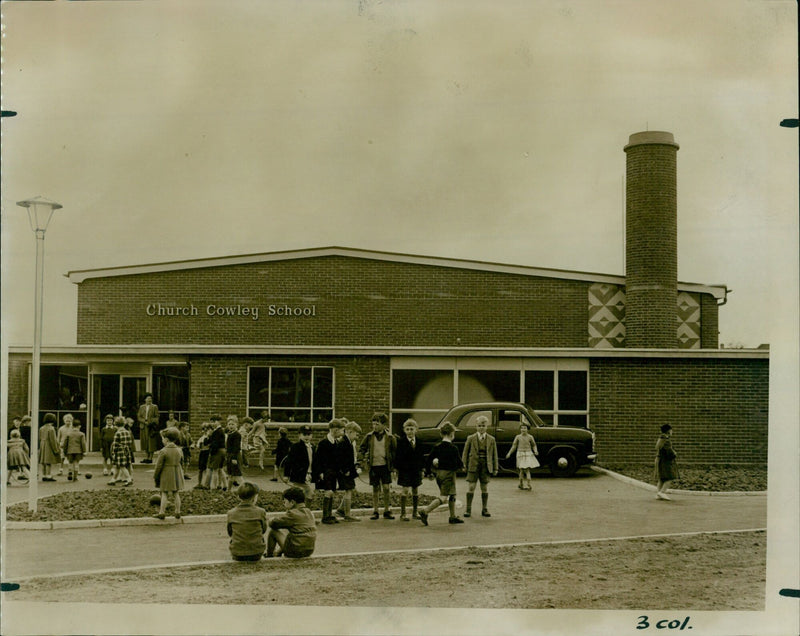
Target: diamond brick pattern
(688,321)
(606,316)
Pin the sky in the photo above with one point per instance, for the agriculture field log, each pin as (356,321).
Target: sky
(487,131)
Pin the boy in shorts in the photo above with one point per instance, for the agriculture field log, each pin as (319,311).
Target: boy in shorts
(327,467)
(379,449)
(348,462)
(299,462)
(295,532)
(247,524)
(480,459)
(445,460)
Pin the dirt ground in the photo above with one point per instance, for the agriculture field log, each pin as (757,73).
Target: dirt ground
(697,572)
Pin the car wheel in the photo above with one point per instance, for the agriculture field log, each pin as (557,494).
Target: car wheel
(563,463)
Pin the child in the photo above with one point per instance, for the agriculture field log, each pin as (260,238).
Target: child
(62,433)
(171,421)
(247,524)
(49,450)
(348,462)
(326,468)
(129,425)
(106,438)
(666,468)
(122,452)
(215,477)
(244,430)
(445,460)
(294,532)
(281,451)
(527,451)
(233,453)
(202,455)
(186,447)
(258,437)
(410,462)
(299,462)
(379,448)
(168,471)
(18,458)
(480,459)
(74,448)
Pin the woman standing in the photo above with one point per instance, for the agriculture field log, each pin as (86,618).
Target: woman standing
(666,466)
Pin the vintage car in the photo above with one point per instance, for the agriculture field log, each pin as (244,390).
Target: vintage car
(562,449)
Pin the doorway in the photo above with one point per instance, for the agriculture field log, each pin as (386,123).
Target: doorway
(115,394)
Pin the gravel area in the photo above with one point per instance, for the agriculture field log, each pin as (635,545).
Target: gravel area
(708,478)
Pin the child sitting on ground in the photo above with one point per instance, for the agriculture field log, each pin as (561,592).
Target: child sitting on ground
(294,532)
(247,524)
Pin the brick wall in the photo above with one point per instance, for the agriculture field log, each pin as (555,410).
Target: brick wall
(18,385)
(218,384)
(709,322)
(357,302)
(718,408)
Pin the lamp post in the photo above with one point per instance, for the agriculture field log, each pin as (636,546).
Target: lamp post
(40,211)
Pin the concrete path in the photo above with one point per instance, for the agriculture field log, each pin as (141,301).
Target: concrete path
(590,505)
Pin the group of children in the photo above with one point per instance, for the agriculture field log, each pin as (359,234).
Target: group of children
(223,451)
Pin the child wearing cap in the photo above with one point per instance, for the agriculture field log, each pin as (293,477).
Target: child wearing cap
(246,524)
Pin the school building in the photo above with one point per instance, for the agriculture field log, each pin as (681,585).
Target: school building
(311,334)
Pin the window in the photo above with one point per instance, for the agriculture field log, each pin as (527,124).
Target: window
(560,397)
(482,386)
(291,394)
(63,389)
(171,391)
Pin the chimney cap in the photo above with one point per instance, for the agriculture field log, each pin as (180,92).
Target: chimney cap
(651,137)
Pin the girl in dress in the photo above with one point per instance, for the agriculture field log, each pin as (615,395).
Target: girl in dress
(49,450)
(18,458)
(168,472)
(244,430)
(666,466)
(62,432)
(527,451)
(122,452)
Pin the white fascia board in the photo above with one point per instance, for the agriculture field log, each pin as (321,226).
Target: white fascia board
(164,352)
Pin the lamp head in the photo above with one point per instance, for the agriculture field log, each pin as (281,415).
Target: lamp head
(40,210)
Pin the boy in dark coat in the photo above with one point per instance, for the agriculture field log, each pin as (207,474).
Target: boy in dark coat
(299,462)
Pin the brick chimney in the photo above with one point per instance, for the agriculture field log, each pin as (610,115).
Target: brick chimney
(651,240)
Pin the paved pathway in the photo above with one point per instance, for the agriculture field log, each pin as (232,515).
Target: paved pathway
(590,505)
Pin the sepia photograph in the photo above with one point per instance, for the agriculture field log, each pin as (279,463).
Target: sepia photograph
(372,317)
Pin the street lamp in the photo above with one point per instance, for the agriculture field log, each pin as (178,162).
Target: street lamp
(40,211)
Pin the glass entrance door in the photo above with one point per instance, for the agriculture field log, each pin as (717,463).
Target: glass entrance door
(131,396)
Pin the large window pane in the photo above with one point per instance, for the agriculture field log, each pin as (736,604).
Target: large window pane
(539,390)
(171,390)
(291,386)
(480,386)
(422,389)
(572,390)
(323,387)
(578,421)
(259,387)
